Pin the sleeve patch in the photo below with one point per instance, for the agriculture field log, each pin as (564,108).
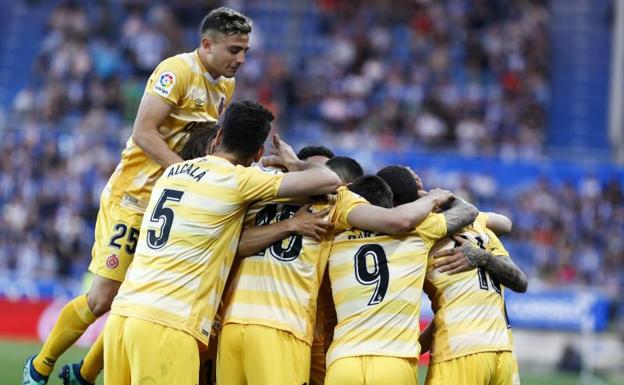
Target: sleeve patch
(164,84)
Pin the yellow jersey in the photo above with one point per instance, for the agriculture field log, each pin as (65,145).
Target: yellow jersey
(376,283)
(469,311)
(187,242)
(184,83)
(278,287)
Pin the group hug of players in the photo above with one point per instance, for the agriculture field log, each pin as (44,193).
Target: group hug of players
(219,262)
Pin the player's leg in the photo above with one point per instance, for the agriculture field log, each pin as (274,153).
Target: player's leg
(93,362)
(99,299)
(230,355)
(380,370)
(275,356)
(74,319)
(117,368)
(159,355)
(116,234)
(346,371)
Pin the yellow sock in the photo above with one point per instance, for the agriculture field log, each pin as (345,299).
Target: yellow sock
(94,361)
(74,319)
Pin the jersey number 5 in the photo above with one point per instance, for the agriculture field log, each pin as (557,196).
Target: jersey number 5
(164,217)
(379,276)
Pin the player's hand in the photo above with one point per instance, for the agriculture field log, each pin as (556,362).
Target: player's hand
(439,196)
(312,225)
(453,261)
(281,154)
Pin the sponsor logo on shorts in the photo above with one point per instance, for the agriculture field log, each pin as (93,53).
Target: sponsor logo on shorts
(164,84)
(112,261)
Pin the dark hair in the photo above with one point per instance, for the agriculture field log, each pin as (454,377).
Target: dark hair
(309,151)
(348,169)
(201,134)
(402,182)
(226,21)
(246,125)
(374,189)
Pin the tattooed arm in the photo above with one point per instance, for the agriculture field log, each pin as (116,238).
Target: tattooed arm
(466,256)
(460,214)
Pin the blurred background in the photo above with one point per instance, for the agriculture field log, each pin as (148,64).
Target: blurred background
(517,105)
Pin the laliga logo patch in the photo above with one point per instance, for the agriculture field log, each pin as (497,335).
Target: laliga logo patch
(112,261)
(165,83)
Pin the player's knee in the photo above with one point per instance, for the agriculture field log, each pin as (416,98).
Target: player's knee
(101,295)
(99,302)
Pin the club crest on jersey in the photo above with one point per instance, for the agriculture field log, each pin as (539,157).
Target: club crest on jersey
(199,101)
(112,261)
(164,84)
(221,105)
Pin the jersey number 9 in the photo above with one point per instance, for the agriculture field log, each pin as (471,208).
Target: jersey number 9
(379,276)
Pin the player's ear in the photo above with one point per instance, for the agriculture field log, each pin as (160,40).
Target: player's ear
(259,154)
(206,43)
(218,138)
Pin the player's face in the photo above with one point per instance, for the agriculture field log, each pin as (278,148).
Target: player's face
(227,53)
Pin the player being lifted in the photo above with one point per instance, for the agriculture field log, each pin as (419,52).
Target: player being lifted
(165,306)
(272,300)
(183,90)
(471,340)
(376,283)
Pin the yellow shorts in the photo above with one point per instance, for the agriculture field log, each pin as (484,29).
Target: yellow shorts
(142,352)
(373,370)
(495,368)
(116,236)
(260,355)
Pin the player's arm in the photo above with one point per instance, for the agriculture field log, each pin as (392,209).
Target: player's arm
(498,223)
(304,178)
(465,256)
(397,220)
(426,338)
(151,114)
(459,215)
(304,223)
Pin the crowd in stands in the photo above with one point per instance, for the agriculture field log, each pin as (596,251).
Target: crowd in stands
(469,74)
(462,76)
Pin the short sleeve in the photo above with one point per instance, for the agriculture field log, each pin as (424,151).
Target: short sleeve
(256,185)
(169,81)
(432,228)
(494,245)
(346,201)
(482,219)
